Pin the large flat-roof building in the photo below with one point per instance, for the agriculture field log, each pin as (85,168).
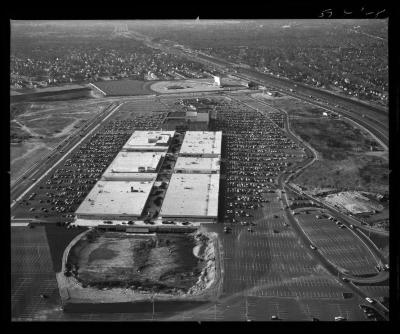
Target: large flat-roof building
(192,197)
(131,166)
(188,165)
(150,141)
(115,200)
(206,144)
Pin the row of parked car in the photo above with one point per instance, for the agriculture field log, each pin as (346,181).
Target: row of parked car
(256,153)
(63,190)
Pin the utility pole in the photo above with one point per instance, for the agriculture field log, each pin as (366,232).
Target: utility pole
(152,299)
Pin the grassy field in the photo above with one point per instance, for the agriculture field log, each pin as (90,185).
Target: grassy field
(346,162)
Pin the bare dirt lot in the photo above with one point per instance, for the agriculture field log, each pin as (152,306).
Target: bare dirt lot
(153,262)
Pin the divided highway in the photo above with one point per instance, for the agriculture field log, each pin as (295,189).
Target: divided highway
(43,167)
(372,117)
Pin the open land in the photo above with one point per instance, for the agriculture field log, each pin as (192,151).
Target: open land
(37,128)
(124,87)
(344,162)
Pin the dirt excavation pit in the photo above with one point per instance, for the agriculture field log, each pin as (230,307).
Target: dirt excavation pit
(173,263)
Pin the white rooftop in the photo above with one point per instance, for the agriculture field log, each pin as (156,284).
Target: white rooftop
(146,140)
(191,195)
(116,198)
(132,163)
(196,164)
(201,142)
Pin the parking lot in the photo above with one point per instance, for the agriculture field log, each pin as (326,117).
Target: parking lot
(59,194)
(32,275)
(338,245)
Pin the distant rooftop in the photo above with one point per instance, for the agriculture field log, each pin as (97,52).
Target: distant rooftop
(149,141)
(202,143)
(191,195)
(176,114)
(115,199)
(197,165)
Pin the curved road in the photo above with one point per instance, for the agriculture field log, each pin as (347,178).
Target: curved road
(283,179)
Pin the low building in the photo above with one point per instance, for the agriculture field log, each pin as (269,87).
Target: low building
(187,121)
(206,144)
(192,197)
(149,141)
(134,166)
(189,165)
(115,200)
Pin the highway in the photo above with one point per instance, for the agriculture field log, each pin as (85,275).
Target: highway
(332,268)
(283,180)
(283,183)
(345,218)
(312,151)
(43,167)
(373,118)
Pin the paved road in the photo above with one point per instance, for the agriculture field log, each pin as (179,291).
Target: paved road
(24,185)
(332,268)
(375,118)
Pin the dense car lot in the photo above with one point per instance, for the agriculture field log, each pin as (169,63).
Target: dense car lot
(251,166)
(59,194)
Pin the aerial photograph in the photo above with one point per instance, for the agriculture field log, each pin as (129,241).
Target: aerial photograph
(199,170)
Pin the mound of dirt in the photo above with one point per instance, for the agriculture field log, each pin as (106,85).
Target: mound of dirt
(204,250)
(172,264)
